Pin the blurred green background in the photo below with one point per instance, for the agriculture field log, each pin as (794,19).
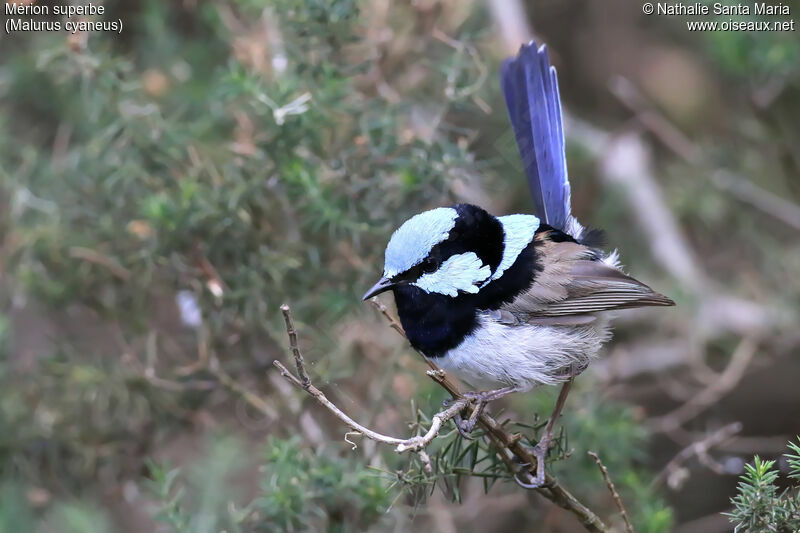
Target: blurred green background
(164,190)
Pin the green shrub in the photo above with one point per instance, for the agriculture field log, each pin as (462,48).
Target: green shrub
(760,504)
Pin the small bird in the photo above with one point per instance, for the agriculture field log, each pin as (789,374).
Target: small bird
(511,302)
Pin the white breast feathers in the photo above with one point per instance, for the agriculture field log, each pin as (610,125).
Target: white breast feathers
(524,355)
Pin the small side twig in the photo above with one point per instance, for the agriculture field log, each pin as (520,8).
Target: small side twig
(760,198)
(509,445)
(614,493)
(426,461)
(394,324)
(401,445)
(510,449)
(302,381)
(298,357)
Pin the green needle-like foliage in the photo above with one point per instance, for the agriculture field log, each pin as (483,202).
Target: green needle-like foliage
(760,505)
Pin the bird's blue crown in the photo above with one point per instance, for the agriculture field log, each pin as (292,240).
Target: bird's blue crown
(413,241)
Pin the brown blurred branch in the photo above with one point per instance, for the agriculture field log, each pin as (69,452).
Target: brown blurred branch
(613,490)
(699,449)
(250,398)
(95,257)
(748,192)
(729,378)
(674,139)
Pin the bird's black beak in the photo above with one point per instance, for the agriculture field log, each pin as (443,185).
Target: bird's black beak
(382,286)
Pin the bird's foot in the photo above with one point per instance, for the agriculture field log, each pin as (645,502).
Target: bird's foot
(540,450)
(479,399)
(540,453)
(465,427)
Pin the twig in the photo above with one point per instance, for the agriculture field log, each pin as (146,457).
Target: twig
(512,22)
(426,461)
(552,489)
(298,357)
(303,382)
(451,91)
(772,444)
(614,493)
(729,378)
(92,256)
(626,161)
(699,448)
(508,445)
(402,445)
(673,138)
(394,324)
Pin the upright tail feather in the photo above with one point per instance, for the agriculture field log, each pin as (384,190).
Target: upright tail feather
(530,86)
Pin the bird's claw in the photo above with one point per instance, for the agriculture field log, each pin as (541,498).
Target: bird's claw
(479,399)
(537,482)
(539,452)
(463,427)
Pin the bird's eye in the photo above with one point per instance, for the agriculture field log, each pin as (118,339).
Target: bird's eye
(428,265)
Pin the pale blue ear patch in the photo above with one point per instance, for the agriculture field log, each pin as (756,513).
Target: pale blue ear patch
(412,241)
(518,233)
(461,272)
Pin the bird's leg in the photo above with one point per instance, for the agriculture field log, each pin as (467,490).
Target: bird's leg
(540,450)
(481,399)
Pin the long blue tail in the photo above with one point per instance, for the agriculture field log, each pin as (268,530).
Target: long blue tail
(530,85)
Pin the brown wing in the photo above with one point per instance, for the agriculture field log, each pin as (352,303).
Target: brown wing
(574,283)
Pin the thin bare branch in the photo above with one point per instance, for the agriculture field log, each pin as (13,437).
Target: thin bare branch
(509,445)
(303,382)
(402,445)
(614,493)
(673,138)
(298,357)
(510,449)
(394,324)
(512,22)
(426,461)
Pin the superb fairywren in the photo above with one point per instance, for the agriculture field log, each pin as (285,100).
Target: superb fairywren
(507,303)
